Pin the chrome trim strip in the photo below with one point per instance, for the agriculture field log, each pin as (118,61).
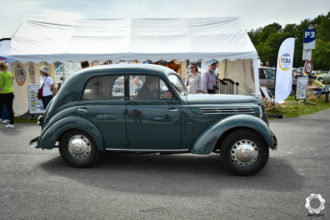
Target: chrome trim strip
(246,110)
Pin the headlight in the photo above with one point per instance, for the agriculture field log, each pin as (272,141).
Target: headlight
(40,120)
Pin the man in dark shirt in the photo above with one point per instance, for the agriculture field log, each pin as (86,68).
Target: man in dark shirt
(149,90)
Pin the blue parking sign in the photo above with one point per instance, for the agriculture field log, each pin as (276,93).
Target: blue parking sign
(309,39)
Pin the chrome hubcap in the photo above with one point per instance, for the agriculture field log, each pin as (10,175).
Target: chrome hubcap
(244,152)
(79,147)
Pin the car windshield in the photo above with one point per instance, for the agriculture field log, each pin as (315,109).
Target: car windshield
(178,84)
(270,73)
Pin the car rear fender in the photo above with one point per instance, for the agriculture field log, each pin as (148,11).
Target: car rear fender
(207,140)
(48,138)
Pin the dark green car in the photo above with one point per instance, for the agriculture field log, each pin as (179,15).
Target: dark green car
(145,108)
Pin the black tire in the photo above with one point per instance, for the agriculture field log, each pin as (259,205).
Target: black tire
(321,80)
(74,156)
(249,139)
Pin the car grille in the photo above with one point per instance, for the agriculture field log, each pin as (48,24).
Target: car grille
(228,111)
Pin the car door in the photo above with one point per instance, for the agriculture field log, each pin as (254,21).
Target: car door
(270,77)
(262,77)
(153,115)
(327,77)
(103,103)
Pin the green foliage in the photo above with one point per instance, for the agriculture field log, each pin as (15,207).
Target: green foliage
(268,39)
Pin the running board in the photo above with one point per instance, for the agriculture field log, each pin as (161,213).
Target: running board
(161,151)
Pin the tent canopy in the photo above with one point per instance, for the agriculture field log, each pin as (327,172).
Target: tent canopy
(132,39)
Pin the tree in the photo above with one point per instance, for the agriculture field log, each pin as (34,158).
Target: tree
(267,41)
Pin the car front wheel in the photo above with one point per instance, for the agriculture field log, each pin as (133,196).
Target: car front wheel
(78,149)
(244,152)
(321,80)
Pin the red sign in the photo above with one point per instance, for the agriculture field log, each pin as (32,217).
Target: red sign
(308,67)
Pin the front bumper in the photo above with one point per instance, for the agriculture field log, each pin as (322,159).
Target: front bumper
(34,140)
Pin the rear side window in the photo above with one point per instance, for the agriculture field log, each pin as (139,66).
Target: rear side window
(111,87)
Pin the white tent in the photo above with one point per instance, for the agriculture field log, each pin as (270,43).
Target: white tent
(223,39)
(132,39)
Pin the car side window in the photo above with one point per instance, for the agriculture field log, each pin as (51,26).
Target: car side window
(146,87)
(109,87)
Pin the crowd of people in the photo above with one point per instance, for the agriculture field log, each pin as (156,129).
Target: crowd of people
(202,83)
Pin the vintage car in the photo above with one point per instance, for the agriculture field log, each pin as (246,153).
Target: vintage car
(144,108)
(324,77)
(267,77)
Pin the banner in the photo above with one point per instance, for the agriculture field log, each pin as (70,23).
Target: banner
(5,51)
(283,83)
(35,104)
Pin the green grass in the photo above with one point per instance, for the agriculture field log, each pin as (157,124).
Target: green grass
(25,120)
(292,108)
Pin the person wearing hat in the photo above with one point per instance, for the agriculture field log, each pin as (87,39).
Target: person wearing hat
(209,78)
(47,85)
(6,92)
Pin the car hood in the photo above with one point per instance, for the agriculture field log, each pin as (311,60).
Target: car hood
(198,99)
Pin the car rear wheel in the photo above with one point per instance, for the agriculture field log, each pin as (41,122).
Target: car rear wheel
(321,80)
(244,152)
(78,149)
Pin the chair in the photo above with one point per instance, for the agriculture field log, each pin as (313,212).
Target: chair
(317,91)
(267,97)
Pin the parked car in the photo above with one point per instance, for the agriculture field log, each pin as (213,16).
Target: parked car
(267,77)
(324,77)
(103,109)
(313,74)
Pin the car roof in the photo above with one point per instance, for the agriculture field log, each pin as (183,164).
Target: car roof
(161,70)
(266,67)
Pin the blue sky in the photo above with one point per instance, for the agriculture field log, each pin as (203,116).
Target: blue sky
(254,13)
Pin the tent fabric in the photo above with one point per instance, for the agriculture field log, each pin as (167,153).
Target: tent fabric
(132,39)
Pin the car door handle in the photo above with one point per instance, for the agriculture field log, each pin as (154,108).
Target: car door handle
(173,110)
(157,119)
(105,117)
(81,110)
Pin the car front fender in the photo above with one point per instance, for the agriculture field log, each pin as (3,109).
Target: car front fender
(207,140)
(48,137)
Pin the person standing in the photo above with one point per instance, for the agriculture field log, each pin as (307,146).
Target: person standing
(47,84)
(7,92)
(209,79)
(194,80)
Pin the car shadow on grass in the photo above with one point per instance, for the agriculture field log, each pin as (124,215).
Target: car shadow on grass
(180,175)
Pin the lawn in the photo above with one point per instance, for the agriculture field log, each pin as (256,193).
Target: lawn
(291,108)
